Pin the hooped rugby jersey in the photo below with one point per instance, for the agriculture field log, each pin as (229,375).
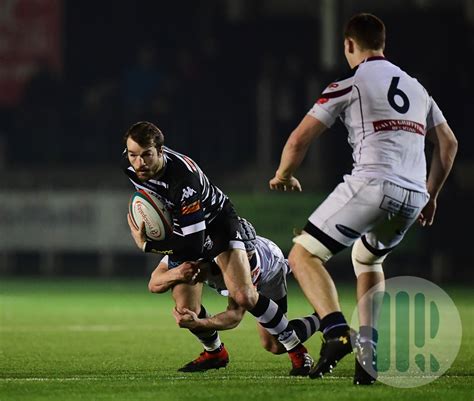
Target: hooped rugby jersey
(185,190)
(387,114)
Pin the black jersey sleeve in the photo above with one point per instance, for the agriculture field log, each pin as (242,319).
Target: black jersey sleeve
(180,248)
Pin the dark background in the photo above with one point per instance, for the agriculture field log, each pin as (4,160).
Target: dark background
(194,68)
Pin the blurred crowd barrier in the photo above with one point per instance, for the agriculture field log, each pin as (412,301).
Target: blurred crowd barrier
(84,232)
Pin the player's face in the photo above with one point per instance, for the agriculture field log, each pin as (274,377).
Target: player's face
(146,162)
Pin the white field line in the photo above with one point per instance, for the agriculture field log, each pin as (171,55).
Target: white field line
(187,377)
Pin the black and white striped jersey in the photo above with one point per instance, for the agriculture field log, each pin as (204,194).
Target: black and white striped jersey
(185,190)
(387,114)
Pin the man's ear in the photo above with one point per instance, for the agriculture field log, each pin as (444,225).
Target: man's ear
(350,46)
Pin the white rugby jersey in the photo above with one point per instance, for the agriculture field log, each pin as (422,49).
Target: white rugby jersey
(387,114)
(270,262)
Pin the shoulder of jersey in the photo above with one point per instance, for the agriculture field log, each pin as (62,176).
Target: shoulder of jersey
(147,208)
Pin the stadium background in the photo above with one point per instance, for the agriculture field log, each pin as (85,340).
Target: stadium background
(226,81)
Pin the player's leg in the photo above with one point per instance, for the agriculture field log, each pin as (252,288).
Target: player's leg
(214,355)
(305,327)
(369,272)
(276,289)
(310,274)
(301,361)
(368,254)
(236,272)
(351,209)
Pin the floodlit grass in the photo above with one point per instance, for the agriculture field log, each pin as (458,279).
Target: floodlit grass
(112,340)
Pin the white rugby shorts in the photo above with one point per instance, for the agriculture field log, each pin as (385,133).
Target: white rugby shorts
(376,209)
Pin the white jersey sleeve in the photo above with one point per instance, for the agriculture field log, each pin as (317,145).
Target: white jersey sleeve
(435,116)
(332,102)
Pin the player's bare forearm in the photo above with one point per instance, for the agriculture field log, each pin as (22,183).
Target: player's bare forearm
(444,153)
(294,152)
(162,278)
(226,320)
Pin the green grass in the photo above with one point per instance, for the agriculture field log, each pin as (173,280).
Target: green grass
(111,340)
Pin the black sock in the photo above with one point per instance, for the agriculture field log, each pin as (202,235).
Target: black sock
(210,338)
(334,325)
(368,333)
(272,318)
(306,326)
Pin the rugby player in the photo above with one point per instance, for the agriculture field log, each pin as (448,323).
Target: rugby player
(200,211)
(269,270)
(389,116)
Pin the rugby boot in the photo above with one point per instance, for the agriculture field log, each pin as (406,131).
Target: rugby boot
(207,360)
(301,361)
(332,351)
(365,372)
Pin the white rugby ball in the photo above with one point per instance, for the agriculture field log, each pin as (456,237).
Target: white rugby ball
(145,207)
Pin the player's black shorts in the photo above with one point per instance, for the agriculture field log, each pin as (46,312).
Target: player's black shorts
(223,232)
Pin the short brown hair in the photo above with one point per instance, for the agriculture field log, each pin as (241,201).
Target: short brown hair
(367,30)
(146,134)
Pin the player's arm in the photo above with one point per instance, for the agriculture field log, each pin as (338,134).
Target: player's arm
(294,152)
(163,278)
(189,246)
(226,320)
(445,148)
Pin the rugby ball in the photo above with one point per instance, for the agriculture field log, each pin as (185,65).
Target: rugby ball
(145,207)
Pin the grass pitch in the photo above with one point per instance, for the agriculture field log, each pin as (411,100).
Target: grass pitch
(89,340)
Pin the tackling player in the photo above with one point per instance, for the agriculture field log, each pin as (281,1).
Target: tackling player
(389,115)
(269,271)
(200,211)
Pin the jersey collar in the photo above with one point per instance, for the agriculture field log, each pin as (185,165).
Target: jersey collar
(374,58)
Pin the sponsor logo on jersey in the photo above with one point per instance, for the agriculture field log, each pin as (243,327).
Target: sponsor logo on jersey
(208,243)
(191,208)
(164,252)
(187,192)
(322,100)
(399,125)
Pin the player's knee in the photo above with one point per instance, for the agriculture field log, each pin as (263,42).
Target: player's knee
(306,246)
(364,261)
(246,298)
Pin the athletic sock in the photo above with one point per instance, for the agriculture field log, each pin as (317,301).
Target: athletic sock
(272,318)
(210,339)
(306,326)
(334,325)
(368,334)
